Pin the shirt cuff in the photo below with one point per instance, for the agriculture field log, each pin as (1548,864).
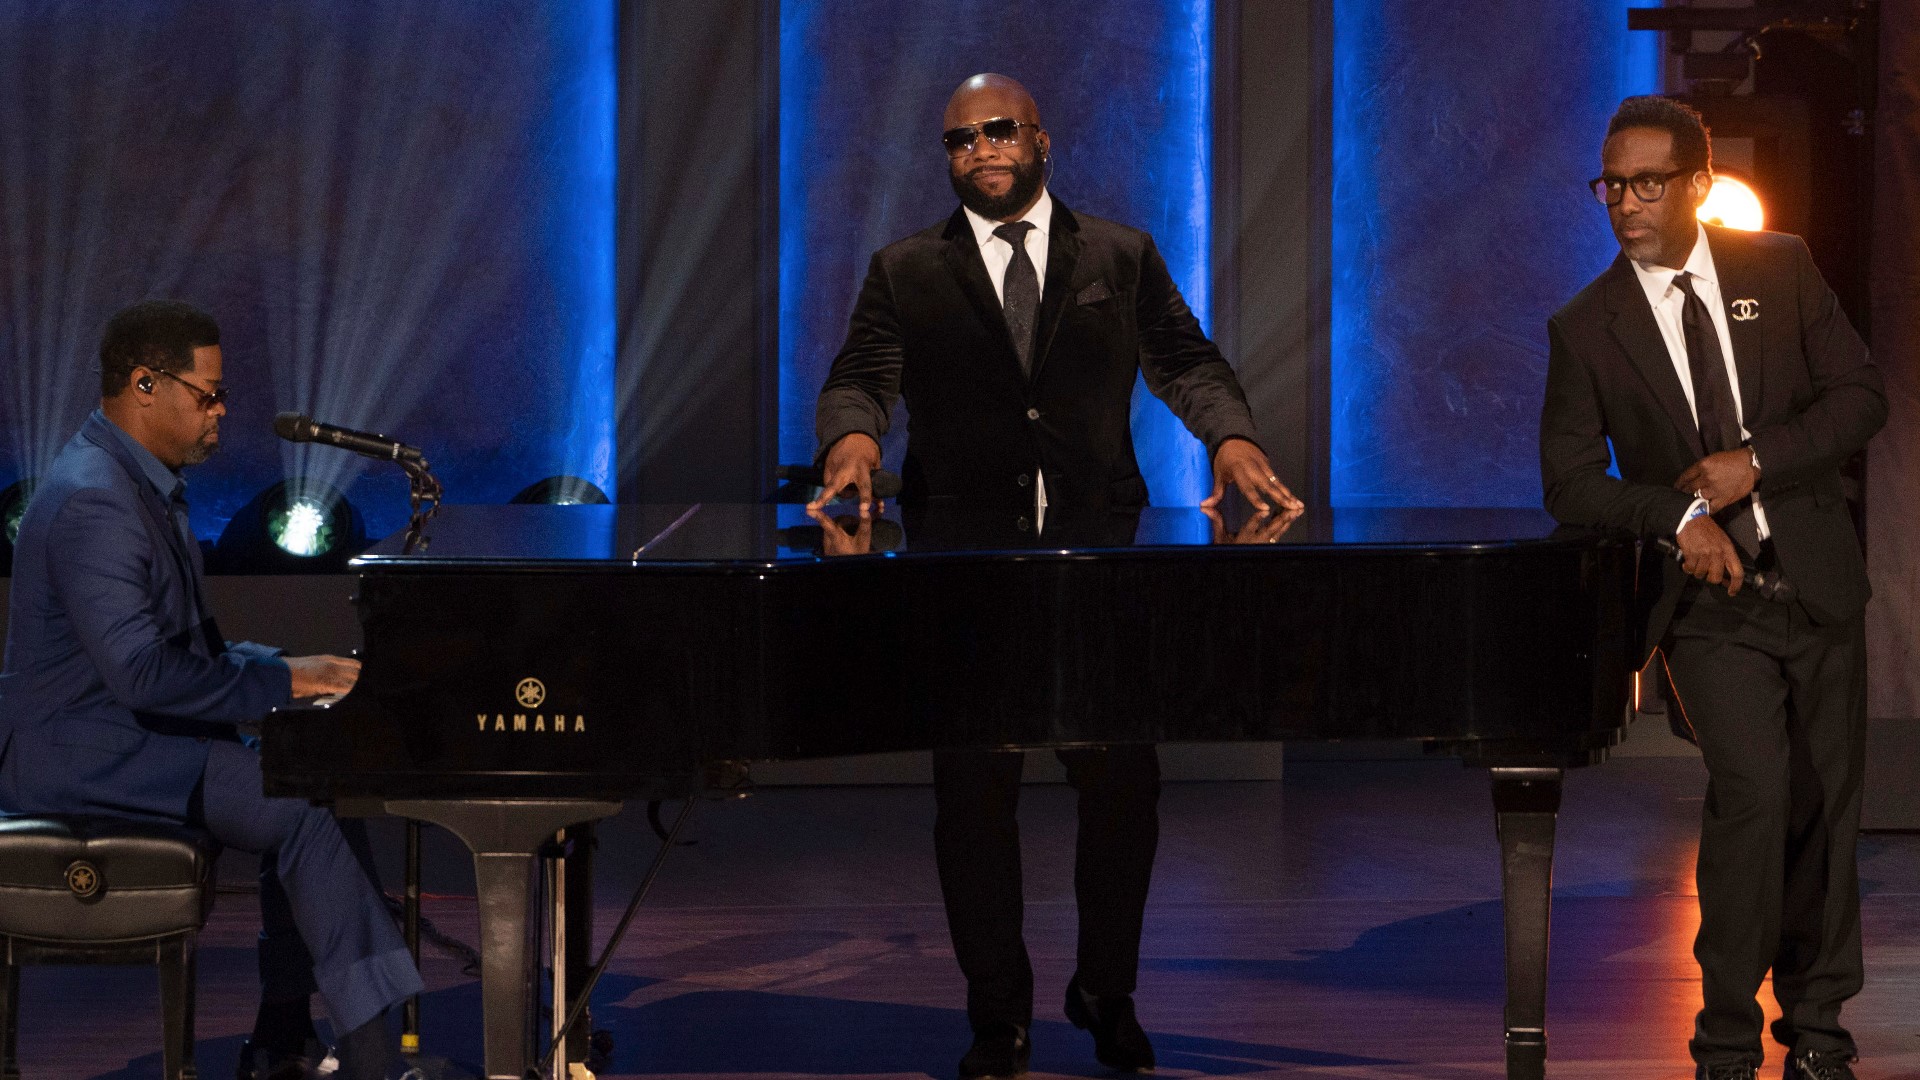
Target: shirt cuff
(1698,508)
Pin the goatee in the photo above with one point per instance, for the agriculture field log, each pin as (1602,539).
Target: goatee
(1026,184)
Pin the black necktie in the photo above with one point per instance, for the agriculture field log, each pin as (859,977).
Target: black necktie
(1020,291)
(1713,405)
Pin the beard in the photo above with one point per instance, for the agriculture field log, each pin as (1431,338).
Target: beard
(1026,184)
(201,450)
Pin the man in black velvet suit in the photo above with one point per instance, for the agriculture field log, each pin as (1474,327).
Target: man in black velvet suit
(1014,330)
(1731,388)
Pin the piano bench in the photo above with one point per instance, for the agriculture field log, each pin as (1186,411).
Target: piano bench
(84,889)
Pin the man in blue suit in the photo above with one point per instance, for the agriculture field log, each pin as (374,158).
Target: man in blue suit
(119,696)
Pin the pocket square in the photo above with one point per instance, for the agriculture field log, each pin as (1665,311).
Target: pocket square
(1093,293)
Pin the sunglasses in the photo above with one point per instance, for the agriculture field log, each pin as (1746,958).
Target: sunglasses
(1000,131)
(208,398)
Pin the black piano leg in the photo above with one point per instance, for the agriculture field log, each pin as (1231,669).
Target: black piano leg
(1525,803)
(579,937)
(505,836)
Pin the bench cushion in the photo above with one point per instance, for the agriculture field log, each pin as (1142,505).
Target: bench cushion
(84,878)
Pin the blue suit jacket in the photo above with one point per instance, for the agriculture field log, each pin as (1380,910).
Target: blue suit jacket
(112,688)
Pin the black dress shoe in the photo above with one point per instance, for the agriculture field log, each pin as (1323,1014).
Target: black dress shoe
(999,1052)
(1820,1065)
(1725,1070)
(261,1063)
(1118,1039)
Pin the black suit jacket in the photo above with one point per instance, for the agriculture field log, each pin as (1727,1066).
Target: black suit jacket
(1809,394)
(928,325)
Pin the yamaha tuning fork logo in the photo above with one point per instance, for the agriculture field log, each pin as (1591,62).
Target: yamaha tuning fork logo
(531,694)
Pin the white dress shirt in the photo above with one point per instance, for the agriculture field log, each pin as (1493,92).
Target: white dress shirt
(1668,303)
(997,253)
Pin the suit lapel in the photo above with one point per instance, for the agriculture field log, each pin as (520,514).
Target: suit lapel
(1639,335)
(1740,280)
(962,254)
(159,515)
(1063,254)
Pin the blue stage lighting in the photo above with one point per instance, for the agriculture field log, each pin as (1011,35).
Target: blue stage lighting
(562,491)
(297,526)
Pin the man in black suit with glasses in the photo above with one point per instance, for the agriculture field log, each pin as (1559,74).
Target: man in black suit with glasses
(1719,370)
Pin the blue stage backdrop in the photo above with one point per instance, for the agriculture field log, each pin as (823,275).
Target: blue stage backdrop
(1124,95)
(401,214)
(1462,136)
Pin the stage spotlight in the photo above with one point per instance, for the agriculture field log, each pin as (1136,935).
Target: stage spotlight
(1733,203)
(13,506)
(297,526)
(562,491)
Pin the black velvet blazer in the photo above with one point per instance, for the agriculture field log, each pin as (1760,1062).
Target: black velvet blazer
(928,326)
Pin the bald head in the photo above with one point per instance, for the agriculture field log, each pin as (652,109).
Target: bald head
(986,96)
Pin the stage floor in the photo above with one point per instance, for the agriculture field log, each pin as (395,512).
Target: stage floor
(1342,923)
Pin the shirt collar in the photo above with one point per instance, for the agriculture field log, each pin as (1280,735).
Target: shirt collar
(1041,216)
(1658,280)
(168,483)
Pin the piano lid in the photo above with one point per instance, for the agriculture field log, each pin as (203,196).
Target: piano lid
(777,534)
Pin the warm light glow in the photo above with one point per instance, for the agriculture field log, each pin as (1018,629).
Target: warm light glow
(1733,204)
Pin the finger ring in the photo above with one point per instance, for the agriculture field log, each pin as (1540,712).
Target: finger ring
(1273,479)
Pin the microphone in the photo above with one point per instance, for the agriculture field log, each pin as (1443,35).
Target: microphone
(886,485)
(1770,584)
(294,427)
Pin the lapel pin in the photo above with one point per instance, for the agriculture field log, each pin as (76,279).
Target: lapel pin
(1746,310)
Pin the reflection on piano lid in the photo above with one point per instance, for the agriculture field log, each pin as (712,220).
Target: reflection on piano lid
(763,533)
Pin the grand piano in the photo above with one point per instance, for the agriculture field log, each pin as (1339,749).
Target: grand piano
(532,668)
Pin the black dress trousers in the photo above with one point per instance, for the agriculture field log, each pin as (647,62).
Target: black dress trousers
(977,847)
(1778,706)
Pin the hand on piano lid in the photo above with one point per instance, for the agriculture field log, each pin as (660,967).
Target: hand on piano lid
(845,536)
(322,676)
(1239,463)
(850,464)
(1261,528)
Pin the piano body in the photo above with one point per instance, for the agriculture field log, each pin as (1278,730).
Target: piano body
(531,668)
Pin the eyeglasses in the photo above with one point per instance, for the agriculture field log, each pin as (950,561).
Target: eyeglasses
(208,398)
(1648,186)
(1000,131)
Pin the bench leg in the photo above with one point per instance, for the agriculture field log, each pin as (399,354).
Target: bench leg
(10,1023)
(176,1007)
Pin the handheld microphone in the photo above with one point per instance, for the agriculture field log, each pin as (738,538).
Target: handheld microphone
(294,427)
(1770,584)
(886,485)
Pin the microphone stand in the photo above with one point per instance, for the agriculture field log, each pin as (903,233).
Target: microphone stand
(424,493)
